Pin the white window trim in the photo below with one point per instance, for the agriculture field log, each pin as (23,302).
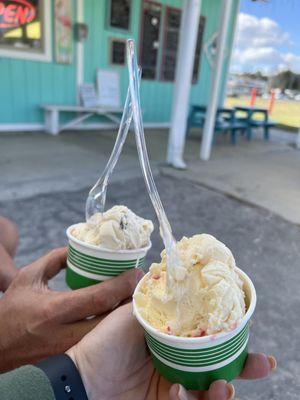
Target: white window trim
(28,55)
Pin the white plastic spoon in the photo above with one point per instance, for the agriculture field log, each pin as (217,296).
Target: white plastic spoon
(174,267)
(97,196)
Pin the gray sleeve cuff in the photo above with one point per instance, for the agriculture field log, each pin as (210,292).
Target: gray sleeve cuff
(25,383)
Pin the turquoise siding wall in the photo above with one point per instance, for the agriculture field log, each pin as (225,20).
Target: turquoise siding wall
(156,95)
(28,84)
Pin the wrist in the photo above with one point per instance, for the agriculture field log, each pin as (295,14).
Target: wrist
(70,353)
(90,376)
(79,365)
(159,388)
(64,377)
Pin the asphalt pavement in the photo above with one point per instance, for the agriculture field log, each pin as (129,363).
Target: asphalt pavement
(265,246)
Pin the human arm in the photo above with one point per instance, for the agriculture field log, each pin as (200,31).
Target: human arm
(43,322)
(25,383)
(129,372)
(114,363)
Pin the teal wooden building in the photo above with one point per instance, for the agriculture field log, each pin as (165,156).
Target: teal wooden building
(32,73)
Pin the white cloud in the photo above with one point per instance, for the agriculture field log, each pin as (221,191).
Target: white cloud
(255,32)
(290,61)
(258,46)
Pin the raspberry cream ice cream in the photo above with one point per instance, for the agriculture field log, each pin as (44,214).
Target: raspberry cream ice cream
(206,296)
(118,228)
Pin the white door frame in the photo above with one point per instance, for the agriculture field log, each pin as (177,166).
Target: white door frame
(80,51)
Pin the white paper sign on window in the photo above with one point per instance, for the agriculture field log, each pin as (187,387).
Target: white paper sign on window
(108,85)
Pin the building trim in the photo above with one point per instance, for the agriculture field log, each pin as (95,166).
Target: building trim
(80,51)
(214,92)
(21,127)
(25,127)
(234,16)
(188,36)
(46,56)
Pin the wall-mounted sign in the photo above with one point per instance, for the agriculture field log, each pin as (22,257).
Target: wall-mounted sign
(15,13)
(81,31)
(63,32)
(108,87)
(88,95)
(22,26)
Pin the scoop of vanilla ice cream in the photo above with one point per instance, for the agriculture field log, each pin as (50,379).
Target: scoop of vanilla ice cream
(116,229)
(207,299)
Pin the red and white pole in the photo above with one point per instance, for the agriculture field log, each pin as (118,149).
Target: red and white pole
(271,101)
(253,97)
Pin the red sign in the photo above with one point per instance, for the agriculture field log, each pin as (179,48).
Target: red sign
(15,13)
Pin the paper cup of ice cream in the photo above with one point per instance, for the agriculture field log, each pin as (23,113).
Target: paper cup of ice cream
(105,246)
(196,362)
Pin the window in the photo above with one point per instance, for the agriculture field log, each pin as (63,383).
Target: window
(117,51)
(172,27)
(151,59)
(25,29)
(119,14)
(151,20)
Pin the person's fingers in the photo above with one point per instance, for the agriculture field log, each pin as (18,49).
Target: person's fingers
(218,390)
(178,392)
(258,366)
(49,265)
(70,334)
(96,299)
(9,236)
(8,269)
(56,260)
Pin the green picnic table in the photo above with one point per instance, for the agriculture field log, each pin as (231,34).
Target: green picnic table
(226,121)
(265,123)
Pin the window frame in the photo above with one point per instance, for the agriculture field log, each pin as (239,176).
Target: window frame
(163,52)
(141,38)
(165,10)
(110,50)
(115,28)
(46,55)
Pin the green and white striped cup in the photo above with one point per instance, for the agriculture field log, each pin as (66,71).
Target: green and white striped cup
(88,264)
(197,362)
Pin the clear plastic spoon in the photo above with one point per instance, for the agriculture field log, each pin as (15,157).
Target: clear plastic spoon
(174,267)
(97,196)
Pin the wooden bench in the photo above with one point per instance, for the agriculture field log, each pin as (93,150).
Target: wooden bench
(53,126)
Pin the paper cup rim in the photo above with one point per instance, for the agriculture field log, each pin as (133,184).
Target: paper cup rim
(104,249)
(204,339)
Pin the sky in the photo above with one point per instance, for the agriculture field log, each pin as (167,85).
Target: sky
(267,37)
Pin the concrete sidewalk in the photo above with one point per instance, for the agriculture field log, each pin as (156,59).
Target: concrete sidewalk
(263,174)
(260,173)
